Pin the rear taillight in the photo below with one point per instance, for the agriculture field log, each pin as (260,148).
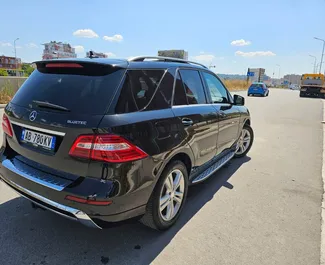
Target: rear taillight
(6,126)
(108,148)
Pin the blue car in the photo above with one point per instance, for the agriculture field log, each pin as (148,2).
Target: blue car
(258,89)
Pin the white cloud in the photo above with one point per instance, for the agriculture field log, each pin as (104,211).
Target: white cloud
(79,49)
(240,42)
(110,54)
(204,57)
(85,33)
(31,45)
(116,38)
(254,54)
(5,44)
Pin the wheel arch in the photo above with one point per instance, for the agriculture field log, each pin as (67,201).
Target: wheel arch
(247,121)
(185,155)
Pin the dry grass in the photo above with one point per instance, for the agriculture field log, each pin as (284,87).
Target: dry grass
(236,85)
(6,93)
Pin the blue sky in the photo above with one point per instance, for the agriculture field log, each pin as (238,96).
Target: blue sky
(270,32)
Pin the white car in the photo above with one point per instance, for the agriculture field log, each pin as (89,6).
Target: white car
(294,87)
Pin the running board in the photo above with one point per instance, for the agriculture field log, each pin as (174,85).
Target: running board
(208,172)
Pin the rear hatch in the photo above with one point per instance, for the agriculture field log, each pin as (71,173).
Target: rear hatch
(60,101)
(256,88)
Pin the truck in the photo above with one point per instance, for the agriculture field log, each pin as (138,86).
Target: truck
(312,85)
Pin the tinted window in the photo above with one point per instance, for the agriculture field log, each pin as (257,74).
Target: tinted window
(138,88)
(256,86)
(217,90)
(163,96)
(193,87)
(81,92)
(179,94)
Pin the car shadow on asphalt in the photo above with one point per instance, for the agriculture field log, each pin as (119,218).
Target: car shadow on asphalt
(29,236)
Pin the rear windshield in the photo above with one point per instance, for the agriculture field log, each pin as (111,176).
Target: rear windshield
(256,86)
(83,92)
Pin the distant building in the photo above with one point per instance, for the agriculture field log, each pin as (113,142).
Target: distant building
(9,63)
(292,79)
(55,50)
(97,54)
(180,54)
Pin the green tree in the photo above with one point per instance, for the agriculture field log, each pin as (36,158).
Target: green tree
(28,69)
(3,72)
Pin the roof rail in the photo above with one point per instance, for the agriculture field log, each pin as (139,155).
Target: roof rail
(164,59)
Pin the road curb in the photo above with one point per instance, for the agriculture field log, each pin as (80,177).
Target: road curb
(322,243)
(2,106)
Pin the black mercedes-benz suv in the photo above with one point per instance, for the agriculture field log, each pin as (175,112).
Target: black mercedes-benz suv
(101,140)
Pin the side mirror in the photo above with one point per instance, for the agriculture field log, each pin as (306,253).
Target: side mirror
(239,100)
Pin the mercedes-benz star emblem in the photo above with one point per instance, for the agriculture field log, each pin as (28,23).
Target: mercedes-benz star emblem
(32,115)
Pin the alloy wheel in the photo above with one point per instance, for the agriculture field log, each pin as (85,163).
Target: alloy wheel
(171,195)
(243,142)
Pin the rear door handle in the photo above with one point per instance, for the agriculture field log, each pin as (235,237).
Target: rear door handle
(187,122)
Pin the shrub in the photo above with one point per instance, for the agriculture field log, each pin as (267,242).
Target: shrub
(6,93)
(3,72)
(234,85)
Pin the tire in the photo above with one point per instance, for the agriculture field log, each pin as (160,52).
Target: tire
(302,95)
(246,129)
(267,93)
(154,218)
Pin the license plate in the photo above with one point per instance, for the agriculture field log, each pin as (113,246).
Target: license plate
(38,139)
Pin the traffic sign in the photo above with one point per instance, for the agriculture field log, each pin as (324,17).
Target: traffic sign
(250,73)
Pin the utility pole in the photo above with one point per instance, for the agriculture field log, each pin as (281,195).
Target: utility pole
(279,72)
(16,55)
(315,70)
(321,60)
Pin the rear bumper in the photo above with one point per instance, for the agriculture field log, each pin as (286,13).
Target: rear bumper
(63,210)
(257,92)
(50,194)
(312,93)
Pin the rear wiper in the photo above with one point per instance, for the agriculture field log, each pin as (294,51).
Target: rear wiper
(49,105)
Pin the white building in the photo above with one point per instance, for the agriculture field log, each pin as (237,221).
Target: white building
(55,50)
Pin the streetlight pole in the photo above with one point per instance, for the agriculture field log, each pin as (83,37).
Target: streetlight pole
(321,61)
(279,70)
(315,70)
(15,55)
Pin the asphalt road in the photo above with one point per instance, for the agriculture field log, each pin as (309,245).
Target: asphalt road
(263,209)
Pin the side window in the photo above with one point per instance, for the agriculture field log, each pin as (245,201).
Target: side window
(179,94)
(217,90)
(163,96)
(138,88)
(193,87)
